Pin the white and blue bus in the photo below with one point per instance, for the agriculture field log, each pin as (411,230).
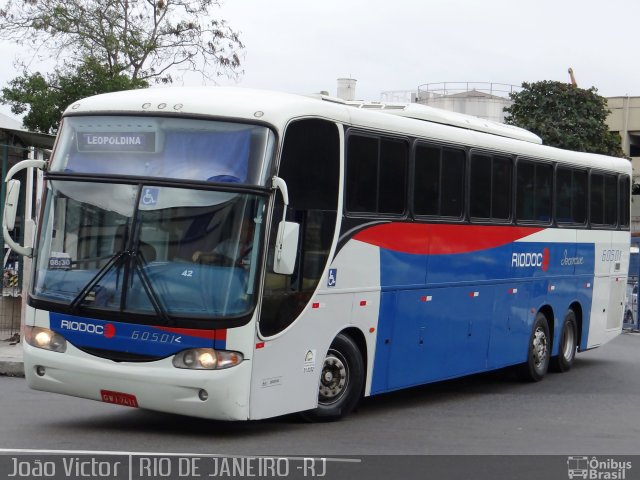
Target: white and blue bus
(238,254)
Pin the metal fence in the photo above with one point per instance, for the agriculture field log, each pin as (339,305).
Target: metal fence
(10,308)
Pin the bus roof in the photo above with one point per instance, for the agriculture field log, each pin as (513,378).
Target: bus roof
(278,109)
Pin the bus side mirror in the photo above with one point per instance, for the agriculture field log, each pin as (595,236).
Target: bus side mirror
(11,205)
(286,248)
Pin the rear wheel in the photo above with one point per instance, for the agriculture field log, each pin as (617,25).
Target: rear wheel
(538,354)
(568,344)
(341,381)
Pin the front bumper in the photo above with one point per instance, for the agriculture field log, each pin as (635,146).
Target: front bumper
(156,385)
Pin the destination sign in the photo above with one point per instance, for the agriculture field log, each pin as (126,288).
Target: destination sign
(117,142)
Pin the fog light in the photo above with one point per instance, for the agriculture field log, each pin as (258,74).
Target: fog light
(40,371)
(203,395)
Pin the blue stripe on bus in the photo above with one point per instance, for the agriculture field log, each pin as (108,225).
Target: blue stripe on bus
(132,338)
(443,316)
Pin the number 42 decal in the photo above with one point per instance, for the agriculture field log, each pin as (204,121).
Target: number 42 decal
(187,273)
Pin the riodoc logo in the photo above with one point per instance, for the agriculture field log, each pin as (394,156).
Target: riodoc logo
(531,259)
(107,330)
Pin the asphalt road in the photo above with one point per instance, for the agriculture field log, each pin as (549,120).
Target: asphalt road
(592,410)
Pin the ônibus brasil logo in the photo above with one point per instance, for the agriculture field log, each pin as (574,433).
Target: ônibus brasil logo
(531,259)
(107,330)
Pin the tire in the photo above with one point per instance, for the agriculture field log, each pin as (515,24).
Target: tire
(568,344)
(628,317)
(341,381)
(538,352)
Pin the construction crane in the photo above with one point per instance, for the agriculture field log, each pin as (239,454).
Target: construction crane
(573,79)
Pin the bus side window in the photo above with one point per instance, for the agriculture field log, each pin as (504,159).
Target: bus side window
(310,165)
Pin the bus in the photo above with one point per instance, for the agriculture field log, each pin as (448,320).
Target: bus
(369,248)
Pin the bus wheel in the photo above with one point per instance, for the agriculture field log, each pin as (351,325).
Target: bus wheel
(535,368)
(568,344)
(341,381)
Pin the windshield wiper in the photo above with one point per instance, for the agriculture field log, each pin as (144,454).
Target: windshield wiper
(115,258)
(156,303)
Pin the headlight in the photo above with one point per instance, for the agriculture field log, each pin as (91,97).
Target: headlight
(206,359)
(44,338)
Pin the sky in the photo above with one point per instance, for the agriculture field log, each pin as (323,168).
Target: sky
(303,46)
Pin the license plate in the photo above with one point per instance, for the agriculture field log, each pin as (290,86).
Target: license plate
(119,398)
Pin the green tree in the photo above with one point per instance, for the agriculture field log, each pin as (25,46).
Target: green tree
(144,39)
(564,116)
(110,45)
(44,97)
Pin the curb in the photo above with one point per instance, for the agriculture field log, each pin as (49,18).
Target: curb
(11,369)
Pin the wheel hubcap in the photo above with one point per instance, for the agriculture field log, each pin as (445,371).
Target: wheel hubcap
(540,348)
(569,346)
(334,378)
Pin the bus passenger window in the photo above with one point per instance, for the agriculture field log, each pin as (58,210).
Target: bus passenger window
(376,175)
(490,187)
(533,192)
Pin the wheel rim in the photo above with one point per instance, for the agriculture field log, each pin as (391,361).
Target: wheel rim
(569,346)
(334,378)
(540,349)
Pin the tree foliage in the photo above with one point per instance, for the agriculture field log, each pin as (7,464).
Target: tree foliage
(564,116)
(44,97)
(143,39)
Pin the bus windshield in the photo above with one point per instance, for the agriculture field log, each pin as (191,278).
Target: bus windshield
(176,148)
(171,252)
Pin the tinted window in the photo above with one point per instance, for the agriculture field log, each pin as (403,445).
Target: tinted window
(480,187)
(393,175)
(362,174)
(610,200)
(426,195)
(624,201)
(501,188)
(452,183)
(376,175)
(490,187)
(534,187)
(570,195)
(439,180)
(604,199)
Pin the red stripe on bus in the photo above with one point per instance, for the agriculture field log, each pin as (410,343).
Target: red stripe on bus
(220,334)
(432,239)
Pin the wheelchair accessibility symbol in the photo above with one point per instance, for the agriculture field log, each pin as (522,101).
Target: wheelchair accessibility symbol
(149,196)
(333,277)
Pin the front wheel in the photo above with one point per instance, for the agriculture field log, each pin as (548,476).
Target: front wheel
(341,381)
(538,354)
(568,344)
